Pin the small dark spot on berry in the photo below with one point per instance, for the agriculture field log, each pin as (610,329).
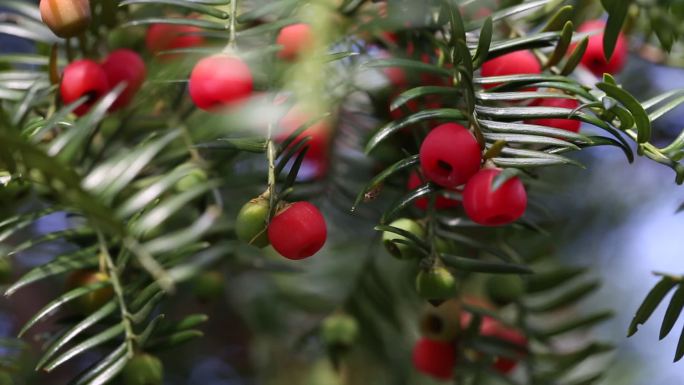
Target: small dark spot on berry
(443,167)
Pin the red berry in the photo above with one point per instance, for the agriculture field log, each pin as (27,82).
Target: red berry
(298,232)
(316,159)
(563,124)
(163,37)
(219,81)
(83,78)
(493,208)
(295,39)
(395,75)
(593,57)
(514,63)
(450,155)
(434,358)
(422,203)
(506,364)
(124,65)
(489,327)
(410,107)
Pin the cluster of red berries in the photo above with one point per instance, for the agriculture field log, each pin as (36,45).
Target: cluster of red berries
(297,230)
(435,354)
(450,157)
(90,79)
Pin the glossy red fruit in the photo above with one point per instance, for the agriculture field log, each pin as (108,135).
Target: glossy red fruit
(83,78)
(593,57)
(441,202)
(434,358)
(220,81)
(450,155)
(317,157)
(514,63)
(164,37)
(124,65)
(295,39)
(298,231)
(506,365)
(493,208)
(490,327)
(563,124)
(395,75)
(65,18)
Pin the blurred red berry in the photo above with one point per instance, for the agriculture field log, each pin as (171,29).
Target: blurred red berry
(563,124)
(316,159)
(493,208)
(298,231)
(594,58)
(450,155)
(506,365)
(220,81)
(164,37)
(441,202)
(83,78)
(124,65)
(295,39)
(490,327)
(434,358)
(514,63)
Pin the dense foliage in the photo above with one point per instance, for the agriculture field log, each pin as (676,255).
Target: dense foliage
(393,145)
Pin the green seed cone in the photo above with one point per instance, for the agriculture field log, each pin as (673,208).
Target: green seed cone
(504,289)
(339,330)
(194,177)
(436,284)
(250,225)
(402,250)
(208,286)
(143,369)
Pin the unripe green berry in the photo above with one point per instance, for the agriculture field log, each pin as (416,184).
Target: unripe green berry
(436,284)
(250,225)
(194,177)
(402,250)
(443,246)
(504,289)
(339,330)
(208,285)
(143,369)
(66,18)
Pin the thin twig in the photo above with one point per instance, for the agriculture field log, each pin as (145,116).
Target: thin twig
(232,43)
(113,274)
